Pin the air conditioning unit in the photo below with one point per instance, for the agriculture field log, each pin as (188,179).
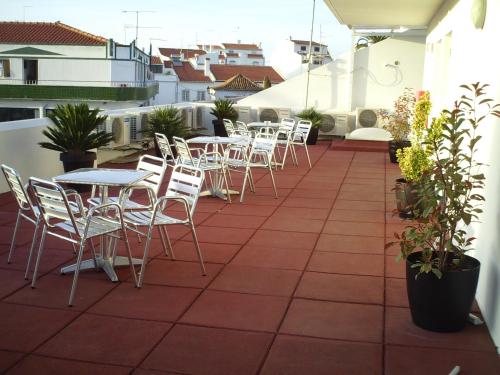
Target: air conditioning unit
(269,114)
(284,113)
(138,121)
(244,114)
(187,117)
(119,128)
(334,123)
(368,118)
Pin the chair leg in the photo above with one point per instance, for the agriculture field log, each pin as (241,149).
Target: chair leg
(295,159)
(198,250)
(224,176)
(129,254)
(163,243)
(169,243)
(251,182)
(145,257)
(272,179)
(77,272)
(39,256)
(13,241)
(284,157)
(35,234)
(307,154)
(244,184)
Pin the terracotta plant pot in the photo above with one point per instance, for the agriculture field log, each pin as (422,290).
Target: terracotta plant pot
(441,305)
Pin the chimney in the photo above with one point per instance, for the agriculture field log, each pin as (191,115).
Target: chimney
(207,67)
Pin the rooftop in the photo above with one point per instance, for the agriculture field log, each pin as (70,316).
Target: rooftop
(156,60)
(299,284)
(238,83)
(187,73)
(240,46)
(46,33)
(306,42)
(187,52)
(255,73)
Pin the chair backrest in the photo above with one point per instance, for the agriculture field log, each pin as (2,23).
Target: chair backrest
(164,146)
(186,181)
(183,153)
(17,188)
(304,127)
(287,124)
(157,166)
(240,125)
(52,202)
(263,142)
(228,125)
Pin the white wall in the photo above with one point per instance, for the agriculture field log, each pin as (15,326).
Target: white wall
(167,90)
(375,85)
(193,88)
(473,58)
(62,50)
(286,61)
(66,71)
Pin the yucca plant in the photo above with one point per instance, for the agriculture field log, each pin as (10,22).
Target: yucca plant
(312,115)
(167,121)
(75,129)
(224,109)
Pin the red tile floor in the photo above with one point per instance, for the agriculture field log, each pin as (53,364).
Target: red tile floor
(296,285)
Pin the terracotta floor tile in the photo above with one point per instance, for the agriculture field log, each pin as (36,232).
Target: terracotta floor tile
(415,361)
(237,208)
(313,193)
(235,236)
(283,240)
(400,330)
(291,355)
(302,213)
(354,229)
(151,302)
(350,244)
(236,310)
(201,350)
(345,263)
(288,223)
(212,252)
(103,339)
(53,291)
(341,204)
(334,320)
(234,221)
(395,292)
(390,229)
(362,188)
(8,358)
(256,280)
(272,258)
(51,259)
(23,328)
(358,216)
(10,281)
(308,202)
(179,273)
(394,268)
(141,371)
(341,288)
(35,364)
(363,180)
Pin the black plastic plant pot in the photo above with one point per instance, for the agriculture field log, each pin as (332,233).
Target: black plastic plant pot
(394,146)
(442,305)
(312,138)
(72,161)
(219,129)
(405,198)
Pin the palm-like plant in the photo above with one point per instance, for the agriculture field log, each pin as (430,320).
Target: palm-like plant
(365,41)
(75,129)
(167,121)
(224,109)
(312,115)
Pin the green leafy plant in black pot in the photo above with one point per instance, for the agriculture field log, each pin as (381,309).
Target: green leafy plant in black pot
(316,119)
(167,121)
(398,122)
(223,109)
(441,277)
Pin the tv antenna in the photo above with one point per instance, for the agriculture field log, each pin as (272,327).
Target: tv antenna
(137,19)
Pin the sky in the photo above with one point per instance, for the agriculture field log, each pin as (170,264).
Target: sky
(185,23)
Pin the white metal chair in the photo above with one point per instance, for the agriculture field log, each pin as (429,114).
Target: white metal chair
(58,219)
(299,138)
(146,163)
(211,162)
(165,148)
(260,156)
(284,139)
(184,187)
(229,126)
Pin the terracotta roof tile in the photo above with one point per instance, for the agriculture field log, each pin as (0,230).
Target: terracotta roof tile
(232,54)
(306,42)
(155,60)
(238,83)
(168,64)
(187,52)
(187,73)
(46,33)
(254,73)
(240,46)
(214,47)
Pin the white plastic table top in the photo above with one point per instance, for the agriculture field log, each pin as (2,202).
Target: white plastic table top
(218,140)
(262,124)
(103,176)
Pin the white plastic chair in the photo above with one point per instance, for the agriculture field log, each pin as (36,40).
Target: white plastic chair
(184,186)
(58,219)
(165,149)
(299,138)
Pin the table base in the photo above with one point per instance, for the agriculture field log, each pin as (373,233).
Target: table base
(105,264)
(219,193)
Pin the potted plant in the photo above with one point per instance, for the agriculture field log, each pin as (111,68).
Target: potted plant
(441,277)
(223,109)
(74,133)
(167,121)
(316,119)
(398,122)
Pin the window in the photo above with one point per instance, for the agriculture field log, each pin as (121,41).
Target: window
(231,62)
(316,62)
(316,49)
(302,48)
(156,68)
(200,95)
(4,68)
(255,63)
(185,95)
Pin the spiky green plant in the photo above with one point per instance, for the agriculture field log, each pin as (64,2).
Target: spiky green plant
(224,109)
(312,115)
(75,129)
(167,121)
